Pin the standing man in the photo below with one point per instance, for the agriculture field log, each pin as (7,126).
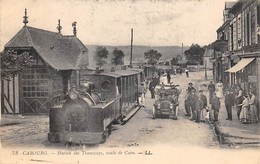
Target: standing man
(204,105)
(229,102)
(187,72)
(152,86)
(192,101)
(198,106)
(215,106)
(187,103)
(211,89)
(168,77)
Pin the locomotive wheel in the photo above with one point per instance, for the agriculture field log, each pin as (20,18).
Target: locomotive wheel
(154,113)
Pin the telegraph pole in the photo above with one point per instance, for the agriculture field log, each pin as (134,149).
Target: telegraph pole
(182,49)
(131,55)
(206,77)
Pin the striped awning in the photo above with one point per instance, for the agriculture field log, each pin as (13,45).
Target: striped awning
(240,65)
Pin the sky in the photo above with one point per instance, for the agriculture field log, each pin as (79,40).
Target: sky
(109,22)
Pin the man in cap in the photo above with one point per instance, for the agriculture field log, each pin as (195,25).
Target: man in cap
(190,87)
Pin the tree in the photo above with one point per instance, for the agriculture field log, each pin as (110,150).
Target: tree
(174,61)
(101,55)
(153,56)
(13,63)
(179,57)
(118,57)
(194,54)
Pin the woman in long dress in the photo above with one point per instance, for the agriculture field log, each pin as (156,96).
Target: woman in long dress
(219,91)
(253,108)
(244,115)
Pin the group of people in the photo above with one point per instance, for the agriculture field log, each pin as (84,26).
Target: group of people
(196,105)
(245,103)
(236,97)
(148,85)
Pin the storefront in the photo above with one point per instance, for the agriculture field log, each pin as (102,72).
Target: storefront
(240,72)
(246,74)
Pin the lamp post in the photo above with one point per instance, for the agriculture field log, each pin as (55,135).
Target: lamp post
(206,77)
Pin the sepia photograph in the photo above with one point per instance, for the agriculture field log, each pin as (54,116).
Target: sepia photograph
(130,81)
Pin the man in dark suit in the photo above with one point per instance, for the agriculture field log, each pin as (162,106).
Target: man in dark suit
(229,102)
(152,85)
(198,107)
(193,99)
(211,89)
(215,106)
(203,111)
(203,98)
(168,77)
(187,104)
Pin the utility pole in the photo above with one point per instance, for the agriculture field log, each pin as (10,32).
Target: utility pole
(182,49)
(206,77)
(131,55)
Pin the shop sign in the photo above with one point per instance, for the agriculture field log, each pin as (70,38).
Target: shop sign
(252,79)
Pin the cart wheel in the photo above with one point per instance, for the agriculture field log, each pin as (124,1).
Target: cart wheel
(154,115)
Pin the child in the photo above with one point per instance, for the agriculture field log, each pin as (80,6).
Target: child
(142,91)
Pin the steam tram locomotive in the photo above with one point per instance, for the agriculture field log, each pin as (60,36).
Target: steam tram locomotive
(100,99)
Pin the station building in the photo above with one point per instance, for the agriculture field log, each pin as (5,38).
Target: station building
(56,61)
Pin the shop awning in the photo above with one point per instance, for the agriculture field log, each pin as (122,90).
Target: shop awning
(240,65)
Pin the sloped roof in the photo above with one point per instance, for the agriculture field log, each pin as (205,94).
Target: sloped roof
(59,51)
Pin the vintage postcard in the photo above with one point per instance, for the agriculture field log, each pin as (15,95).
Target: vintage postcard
(128,81)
